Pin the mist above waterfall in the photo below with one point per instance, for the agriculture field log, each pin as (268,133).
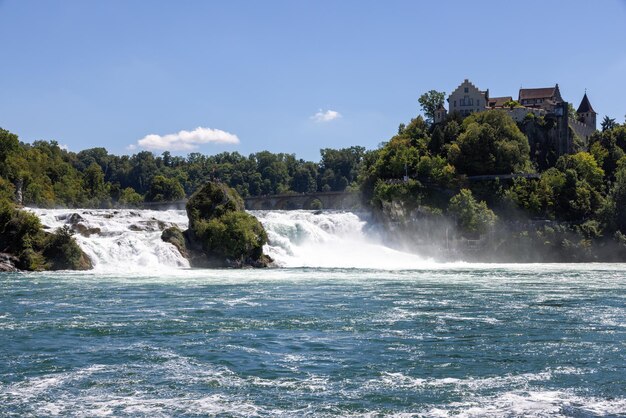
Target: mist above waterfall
(329,239)
(130,240)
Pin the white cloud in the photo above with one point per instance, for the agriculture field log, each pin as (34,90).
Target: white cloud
(186,140)
(64,147)
(326,116)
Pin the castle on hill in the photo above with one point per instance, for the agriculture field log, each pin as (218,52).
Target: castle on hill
(541,102)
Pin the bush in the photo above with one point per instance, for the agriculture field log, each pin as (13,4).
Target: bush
(63,253)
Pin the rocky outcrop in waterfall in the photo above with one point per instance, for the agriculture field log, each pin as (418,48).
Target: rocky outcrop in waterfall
(221,233)
(26,246)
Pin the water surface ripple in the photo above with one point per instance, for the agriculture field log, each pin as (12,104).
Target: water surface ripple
(506,341)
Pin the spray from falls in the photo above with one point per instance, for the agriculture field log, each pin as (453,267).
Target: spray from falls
(130,240)
(327,240)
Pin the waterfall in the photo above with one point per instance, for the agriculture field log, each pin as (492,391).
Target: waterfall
(329,240)
(121,240)
(130,240)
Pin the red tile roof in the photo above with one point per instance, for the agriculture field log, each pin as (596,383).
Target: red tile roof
(499,101)
(541,93)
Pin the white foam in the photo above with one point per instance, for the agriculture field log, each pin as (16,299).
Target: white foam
(329,240)
(127,241)
(530,403)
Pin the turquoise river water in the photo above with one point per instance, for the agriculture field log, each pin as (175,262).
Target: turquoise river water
(540,340)
(144,335)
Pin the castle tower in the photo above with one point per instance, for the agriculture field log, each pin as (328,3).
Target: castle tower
(586,114)
(440,114)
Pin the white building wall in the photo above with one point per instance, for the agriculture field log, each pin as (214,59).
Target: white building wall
(466,99)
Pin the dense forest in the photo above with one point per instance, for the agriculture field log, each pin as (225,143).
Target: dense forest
(45,175)
(425,170)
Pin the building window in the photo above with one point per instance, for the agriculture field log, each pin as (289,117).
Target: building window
(466,90)
(467,101)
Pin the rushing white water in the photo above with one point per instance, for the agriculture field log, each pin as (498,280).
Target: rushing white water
(328,239)
(122,240)
(130,240)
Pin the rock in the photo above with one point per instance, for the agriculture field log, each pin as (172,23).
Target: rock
(175,236)
(221,233)
(85,230)
(8,262)
(70,218)
(212,201)
(74,218)
(63,253)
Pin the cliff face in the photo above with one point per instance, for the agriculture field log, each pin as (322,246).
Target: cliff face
(221,233)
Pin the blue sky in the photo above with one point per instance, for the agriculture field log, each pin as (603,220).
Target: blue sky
(259,75)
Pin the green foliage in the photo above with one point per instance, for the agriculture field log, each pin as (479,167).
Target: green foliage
(491,143)
(608,123)
(93,182)
(512,104)
(165,190)
(585,166)
(213,200)
(315,204)
(48,176)
(129,197)
(471,216)
(22,235)
(19,230)
(63,253)
(340,167)
(534,197)
(226,233)
(430,101)
(617,209)
(7,190)
(236,236)
(9,144)
(572,112)
(408,194)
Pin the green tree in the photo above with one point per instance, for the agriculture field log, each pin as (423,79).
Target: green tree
(585,166)
(490,143)
(129,197)
(618,200)
(430,101)
(165,190)
(93,181)
(471,216)
(607,124)
(340,167)
(9,144)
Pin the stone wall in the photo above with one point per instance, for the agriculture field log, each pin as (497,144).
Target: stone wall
(582,130)
(519,113)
